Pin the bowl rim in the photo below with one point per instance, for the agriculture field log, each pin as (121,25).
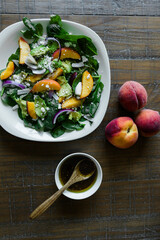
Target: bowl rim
(91,190)
(77,135)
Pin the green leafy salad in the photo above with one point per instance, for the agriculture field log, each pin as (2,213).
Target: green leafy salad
(52,80)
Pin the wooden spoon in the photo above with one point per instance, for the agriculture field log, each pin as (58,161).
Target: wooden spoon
(75,177)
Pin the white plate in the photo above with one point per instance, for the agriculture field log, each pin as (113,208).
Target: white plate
(9,119)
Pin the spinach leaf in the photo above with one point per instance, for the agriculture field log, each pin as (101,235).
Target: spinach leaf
(62,117)
(37,125)
(9,96)
(70,125)
(84,43)
(53,106)
(33,30)
(58,131)
(39,29)
(8,100)
(31,27)
(93,63)
(55,26)
(55,19)
(52,46)
(14,56)
(91,103)
(27,34)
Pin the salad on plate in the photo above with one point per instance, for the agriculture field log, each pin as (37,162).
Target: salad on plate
(52,79)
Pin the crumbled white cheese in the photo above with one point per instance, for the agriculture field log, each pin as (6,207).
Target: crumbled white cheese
(47,86)
(43,41)
(43,109)
(67,44)
(78,89)
(16,78)
(34,45)
(59,106)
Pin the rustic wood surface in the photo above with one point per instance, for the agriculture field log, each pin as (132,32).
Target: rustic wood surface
(127,204)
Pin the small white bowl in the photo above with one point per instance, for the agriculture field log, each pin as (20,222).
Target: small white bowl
(88,192)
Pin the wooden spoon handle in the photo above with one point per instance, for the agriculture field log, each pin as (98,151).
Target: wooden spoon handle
(47,203)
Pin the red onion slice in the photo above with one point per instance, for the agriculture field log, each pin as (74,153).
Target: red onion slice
(72,77)
(10,82)
(50,93)
(54,39)
(59,113)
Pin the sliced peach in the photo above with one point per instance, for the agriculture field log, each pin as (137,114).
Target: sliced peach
(66,53)
(71,103)
(87,84)
(46,85)
(56,74)
(34,78)
(8,71)
(24,50)
(31,109)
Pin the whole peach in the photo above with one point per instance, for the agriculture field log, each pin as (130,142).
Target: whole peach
(148,122)
(132,96)
(121,132)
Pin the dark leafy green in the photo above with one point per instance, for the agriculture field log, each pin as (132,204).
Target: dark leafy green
(84,43)
(58,131)
(55,26)
(33,30)
(76,81)
(70,125)
(14,56)
(91,104)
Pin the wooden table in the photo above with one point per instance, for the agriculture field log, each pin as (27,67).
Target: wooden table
(127,206)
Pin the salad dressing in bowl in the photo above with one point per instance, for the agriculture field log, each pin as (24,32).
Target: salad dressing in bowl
(86,167)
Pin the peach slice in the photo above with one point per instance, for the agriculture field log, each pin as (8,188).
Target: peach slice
(24,50)
(56,74)
(31,109)
(87,84)
(66,53)
(34,78)
(8,71)
(71,103)
(46,85)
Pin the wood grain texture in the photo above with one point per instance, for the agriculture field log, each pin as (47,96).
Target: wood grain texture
(74,7)
(127,204)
